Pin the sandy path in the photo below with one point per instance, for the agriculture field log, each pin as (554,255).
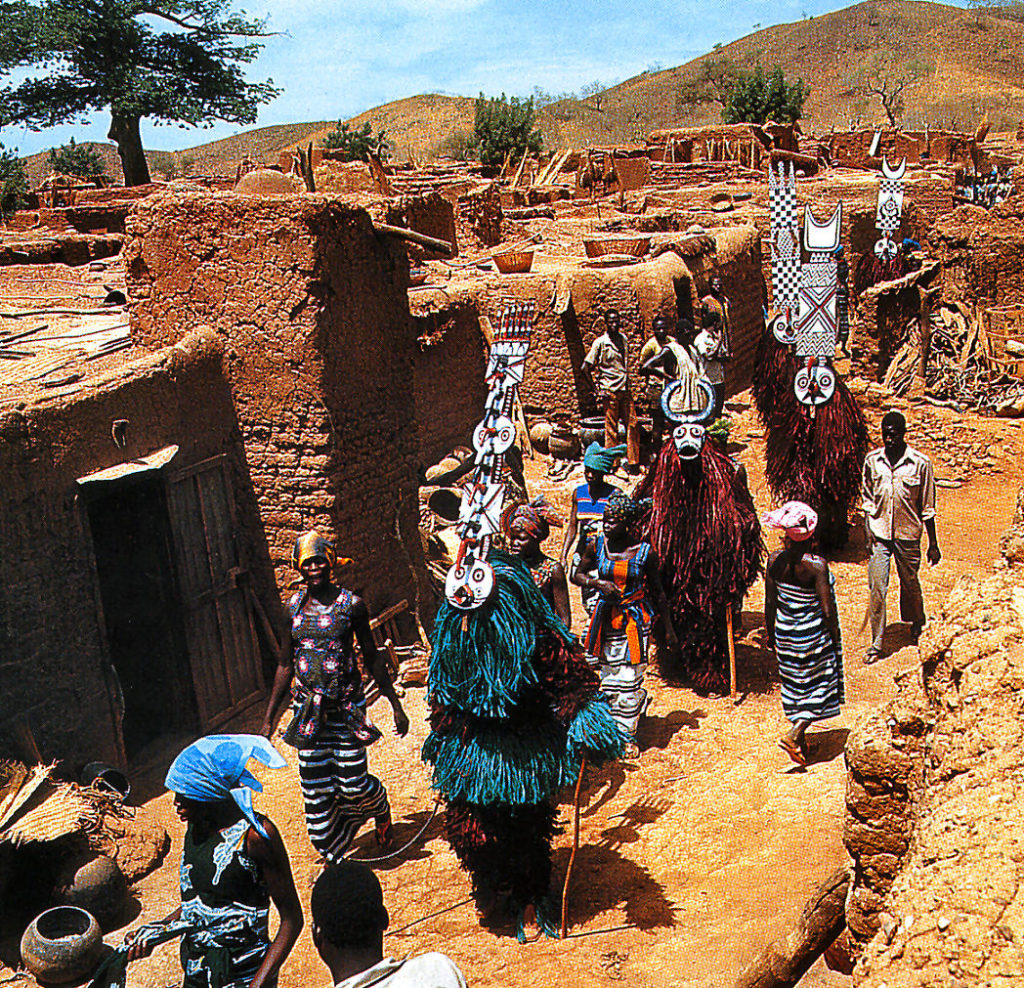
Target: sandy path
(706,847)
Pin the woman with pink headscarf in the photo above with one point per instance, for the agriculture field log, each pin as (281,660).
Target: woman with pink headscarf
(803,626)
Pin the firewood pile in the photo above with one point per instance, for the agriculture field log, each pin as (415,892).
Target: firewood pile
(962,371)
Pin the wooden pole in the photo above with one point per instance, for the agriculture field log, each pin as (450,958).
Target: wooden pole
(575,848)
(441,246)
(732,651)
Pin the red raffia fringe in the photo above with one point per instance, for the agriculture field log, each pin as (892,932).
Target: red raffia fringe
(705,532)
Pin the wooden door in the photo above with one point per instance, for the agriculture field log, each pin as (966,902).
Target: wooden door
(222,644)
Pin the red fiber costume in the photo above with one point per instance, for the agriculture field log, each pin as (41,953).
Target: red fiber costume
(706,533)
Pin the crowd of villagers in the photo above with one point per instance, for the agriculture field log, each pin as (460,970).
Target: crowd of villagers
(518,703)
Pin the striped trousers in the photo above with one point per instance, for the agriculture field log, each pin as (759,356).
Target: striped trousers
(339,793)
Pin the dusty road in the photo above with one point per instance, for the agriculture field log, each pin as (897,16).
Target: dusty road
(704,848)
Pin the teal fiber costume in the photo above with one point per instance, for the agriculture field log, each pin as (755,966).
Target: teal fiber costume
(514,708)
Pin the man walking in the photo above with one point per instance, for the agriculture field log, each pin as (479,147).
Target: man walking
(899,503)
(607,357)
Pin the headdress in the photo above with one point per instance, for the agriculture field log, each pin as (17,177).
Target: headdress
(602,458)
(621,507)
(537,517)
(214,768)
(312,544)
(797,519)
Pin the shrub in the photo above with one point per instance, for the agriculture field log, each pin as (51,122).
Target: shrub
(75,159)
(357,145)
(503,127)
(13,182)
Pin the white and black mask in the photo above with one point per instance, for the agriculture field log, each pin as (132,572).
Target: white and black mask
(689,439)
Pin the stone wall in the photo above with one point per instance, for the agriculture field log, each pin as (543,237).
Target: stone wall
(321,349)
(55,670)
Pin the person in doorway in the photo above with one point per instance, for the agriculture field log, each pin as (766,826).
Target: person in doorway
(660,372)
(607,358)
(329,727)
(527,526)
(898,498)
(349,920)
(234,865)
(803,626)
(588,504)
(630,596)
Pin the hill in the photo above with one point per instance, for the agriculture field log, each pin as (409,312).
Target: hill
(975,61)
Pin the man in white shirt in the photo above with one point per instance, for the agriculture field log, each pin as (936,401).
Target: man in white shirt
(606,360)
(899,504)
(349,920)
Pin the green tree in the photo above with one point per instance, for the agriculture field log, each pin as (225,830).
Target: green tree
(459,145)
(171,60)
(357,145)
(13,182)
(713,83)
(76,159)
(758,98)
(504,127)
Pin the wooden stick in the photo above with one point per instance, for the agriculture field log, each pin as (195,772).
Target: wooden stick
(575,848)
(732,652)
(441,246)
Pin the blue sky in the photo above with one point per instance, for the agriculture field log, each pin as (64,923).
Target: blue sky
(335,59)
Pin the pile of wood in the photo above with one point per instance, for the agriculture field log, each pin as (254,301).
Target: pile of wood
(963,370)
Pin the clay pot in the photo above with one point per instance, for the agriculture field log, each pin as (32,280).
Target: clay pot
(62,944)
(563,444)
(592,430)
(540,433)
(107,779)
(94,882)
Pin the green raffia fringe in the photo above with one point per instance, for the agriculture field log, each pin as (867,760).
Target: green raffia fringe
(499,764)
(595,733)
(483,669)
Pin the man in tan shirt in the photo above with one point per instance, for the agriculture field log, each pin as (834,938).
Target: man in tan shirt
(899,504)
(607,359)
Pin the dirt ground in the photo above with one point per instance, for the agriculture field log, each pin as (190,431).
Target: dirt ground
(691,857)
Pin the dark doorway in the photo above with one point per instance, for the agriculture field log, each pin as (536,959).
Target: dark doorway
(141,607)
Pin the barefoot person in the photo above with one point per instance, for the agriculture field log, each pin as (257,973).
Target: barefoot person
(528,526)
(329,725)
(803,627)
(233,866)
(630,595)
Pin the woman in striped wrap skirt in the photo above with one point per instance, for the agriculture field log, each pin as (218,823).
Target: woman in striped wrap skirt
(329,727)
(803,627)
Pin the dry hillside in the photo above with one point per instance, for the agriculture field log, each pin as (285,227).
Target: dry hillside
(976,58)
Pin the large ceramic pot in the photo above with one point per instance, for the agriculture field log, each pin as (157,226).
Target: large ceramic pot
(563,444)
(93,882)
(592,430)
(62,944)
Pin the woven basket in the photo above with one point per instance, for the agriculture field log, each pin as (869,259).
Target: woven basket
(600,246)
(514,261)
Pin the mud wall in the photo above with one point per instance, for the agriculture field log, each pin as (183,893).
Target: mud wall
(448,379)
(931,801)
(737,261)
(569,303)
(55,669)
(312,307)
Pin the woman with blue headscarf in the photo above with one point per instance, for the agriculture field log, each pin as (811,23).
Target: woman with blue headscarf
(233,865)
